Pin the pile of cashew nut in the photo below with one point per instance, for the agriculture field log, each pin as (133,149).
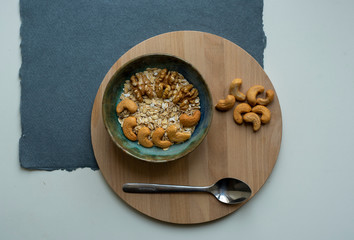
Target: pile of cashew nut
(254,110)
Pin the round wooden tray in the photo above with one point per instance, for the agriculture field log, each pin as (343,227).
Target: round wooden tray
(229,150)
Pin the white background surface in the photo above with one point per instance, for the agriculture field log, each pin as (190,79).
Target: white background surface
(310,194)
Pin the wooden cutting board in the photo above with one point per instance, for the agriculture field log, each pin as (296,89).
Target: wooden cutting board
(229,150)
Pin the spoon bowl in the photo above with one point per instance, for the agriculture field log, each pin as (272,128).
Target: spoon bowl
(226,190)
(230,190)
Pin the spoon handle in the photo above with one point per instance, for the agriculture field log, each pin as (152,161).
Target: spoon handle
(160,188)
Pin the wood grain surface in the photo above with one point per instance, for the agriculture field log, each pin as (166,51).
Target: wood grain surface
(229,150)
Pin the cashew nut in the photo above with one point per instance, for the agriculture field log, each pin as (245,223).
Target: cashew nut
(226,104)
(128,125)
(239,109)
(253,118)
(190,121)
(175,136)
(128,104)
(143,134)
(234,90)
(156,138)
(266,115)
(269,98)
(252,94)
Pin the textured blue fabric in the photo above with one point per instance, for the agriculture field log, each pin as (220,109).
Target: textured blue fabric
(68,46)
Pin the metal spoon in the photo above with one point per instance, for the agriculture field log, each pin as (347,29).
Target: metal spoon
(226,190)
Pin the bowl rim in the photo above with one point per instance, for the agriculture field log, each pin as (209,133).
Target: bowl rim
(176,157)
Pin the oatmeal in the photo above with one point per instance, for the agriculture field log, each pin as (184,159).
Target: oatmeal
(161,97)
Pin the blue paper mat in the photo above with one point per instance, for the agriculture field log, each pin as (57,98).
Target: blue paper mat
(68,47)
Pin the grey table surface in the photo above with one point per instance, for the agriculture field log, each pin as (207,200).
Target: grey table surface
(310,194)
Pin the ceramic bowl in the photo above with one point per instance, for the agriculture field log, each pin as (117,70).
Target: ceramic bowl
(115,88)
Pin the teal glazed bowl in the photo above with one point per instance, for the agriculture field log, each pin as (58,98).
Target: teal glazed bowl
(115,87)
